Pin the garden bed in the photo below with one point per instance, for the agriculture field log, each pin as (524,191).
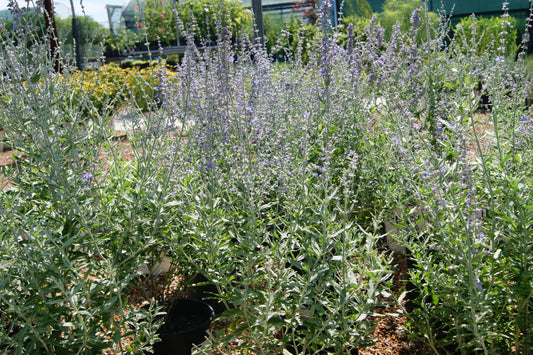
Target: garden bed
(391,335)
(278,193)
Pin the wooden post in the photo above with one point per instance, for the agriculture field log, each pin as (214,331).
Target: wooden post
(52,32)
(176,22)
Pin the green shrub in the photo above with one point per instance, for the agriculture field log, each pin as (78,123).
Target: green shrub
(483,35)
(122,39)
(135,63)
(156,20)
(357,8)
(401,11)
(273,26)
(289,39)
(172,60)
(202,16)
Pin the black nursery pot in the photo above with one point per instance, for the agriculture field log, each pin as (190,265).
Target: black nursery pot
(186,324)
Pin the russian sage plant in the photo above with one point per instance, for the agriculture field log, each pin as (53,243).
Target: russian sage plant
(467,175)
(269,183)
(63,275)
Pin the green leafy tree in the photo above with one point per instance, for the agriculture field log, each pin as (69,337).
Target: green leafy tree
(23,19)
(91,32)
(156,20)
(402,10)
(358,8)
(202,17)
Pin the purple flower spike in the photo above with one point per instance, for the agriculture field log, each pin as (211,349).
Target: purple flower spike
(87,179)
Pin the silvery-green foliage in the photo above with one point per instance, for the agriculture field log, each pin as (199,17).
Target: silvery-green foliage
(271,181)
(463,165)
(63,275)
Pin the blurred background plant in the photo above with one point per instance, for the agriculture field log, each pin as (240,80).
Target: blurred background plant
(122,41)
(156,20)
(401,11)
(487,35)
(287,38)
(92,31)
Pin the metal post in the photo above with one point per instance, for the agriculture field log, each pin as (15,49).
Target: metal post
(109,15)
(257,9)
(76,37)
(176,21)
(335,16)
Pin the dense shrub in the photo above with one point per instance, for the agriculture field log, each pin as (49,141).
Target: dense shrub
(289,39)
(122,40)
(401,11)
(487,35)
(107,88)
(156,21)
(206,18)
(273,182)
(356,8)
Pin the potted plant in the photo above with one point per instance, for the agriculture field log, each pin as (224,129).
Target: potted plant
(185,324)
(153,217)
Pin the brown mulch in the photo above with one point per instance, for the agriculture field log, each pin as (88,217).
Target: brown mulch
(391,336)
(7,159)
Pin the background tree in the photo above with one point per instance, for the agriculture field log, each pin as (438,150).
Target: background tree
(23,21)
(401,10)
(358,8)
(203,17)
(91,32)
(156,21)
